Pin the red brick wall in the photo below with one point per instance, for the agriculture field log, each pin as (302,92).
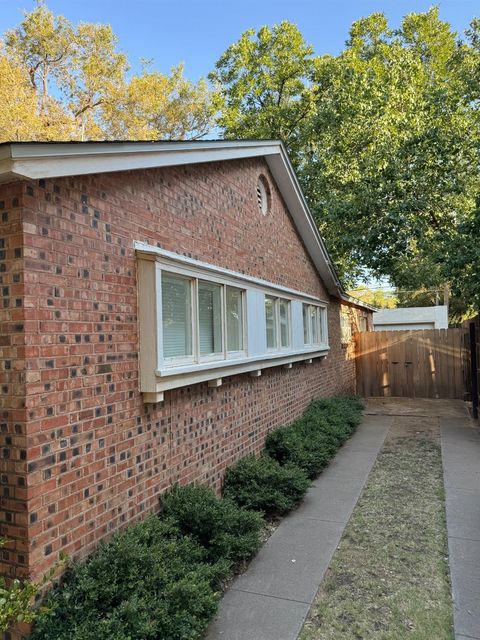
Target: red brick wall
(13,481)
(97,456)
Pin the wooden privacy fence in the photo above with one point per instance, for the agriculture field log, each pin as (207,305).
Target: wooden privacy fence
(411,364)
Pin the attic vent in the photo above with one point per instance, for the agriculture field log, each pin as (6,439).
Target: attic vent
(263,195)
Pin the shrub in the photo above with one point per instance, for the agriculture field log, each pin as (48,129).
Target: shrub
(313,439)
(311,451)
(146,583)
(262,484)
(17,599)
(223,528)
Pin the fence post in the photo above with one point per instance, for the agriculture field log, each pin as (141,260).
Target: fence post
(474,368)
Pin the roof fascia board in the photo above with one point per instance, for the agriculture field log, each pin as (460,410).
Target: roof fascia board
(50,161)
(357,303)
(50,149)
(37,160)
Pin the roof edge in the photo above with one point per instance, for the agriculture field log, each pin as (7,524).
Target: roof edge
(35,160)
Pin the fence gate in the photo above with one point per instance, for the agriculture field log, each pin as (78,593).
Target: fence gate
(411,364)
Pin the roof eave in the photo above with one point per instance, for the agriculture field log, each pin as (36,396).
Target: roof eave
(52,160)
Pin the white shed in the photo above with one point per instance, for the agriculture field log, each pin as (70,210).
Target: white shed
(405,318)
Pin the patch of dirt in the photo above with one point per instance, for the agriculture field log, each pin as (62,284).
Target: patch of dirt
(416,407)
(389,578)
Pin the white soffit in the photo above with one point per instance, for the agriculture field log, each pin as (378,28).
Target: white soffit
(26,160)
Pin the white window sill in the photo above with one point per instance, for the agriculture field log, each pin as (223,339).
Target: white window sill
(175,377)
(220,364)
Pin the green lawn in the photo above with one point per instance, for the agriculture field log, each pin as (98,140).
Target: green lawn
(389,578)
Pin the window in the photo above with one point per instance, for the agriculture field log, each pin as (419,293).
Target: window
(177,316)
(271,322)
(195,332)
(277,321)
(234,312)
(200,323)
(284,309)
(345,328)
(210,318)
(314,325)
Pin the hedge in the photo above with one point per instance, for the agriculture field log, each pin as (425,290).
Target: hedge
(262,484)
(148,582)
(226,531)
(160,578)
(312,440)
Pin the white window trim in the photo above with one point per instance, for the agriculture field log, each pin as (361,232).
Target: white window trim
(322,326)
(178,372)
(278,332)
(169,257)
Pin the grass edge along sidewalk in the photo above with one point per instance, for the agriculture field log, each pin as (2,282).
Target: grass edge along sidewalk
(389,577)
(162,577)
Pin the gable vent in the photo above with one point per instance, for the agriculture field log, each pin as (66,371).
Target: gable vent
(262,195)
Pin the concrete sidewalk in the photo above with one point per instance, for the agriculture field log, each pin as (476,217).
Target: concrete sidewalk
(272,598)
(461,468)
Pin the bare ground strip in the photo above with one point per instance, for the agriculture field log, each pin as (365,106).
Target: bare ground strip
(389,578)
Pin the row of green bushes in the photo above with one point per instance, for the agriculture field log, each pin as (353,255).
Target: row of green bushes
(160,579)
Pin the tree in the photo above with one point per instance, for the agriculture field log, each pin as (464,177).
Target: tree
(83,91)
(156,106)
(95,80)
(387,150)
(375,297)
(44,44)
(265,84)
(393,165)
(18,115)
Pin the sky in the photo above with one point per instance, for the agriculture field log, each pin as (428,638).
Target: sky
(197,32)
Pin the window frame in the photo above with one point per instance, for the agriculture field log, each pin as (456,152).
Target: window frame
(186,359)
(321,323)
(197,357)
(346,333)
(277,300)
(238,353)
(158,374)
(209,357)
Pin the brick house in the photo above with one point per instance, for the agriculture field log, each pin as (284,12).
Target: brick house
(163,306)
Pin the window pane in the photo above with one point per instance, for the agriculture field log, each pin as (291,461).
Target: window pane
(345,328)
(314,324)
(270,322)
(234,319)
(323,326)
(210,317)
(284,323)
(306,333)
(177,316)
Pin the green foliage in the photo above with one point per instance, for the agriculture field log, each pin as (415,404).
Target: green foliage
(226,531)
(313,440)
(262,484)
(391,169)
(384,137)
(16,599)
(157,578)
(264,81)
(376,297)
(16,603)
(148,582)
(72,83)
